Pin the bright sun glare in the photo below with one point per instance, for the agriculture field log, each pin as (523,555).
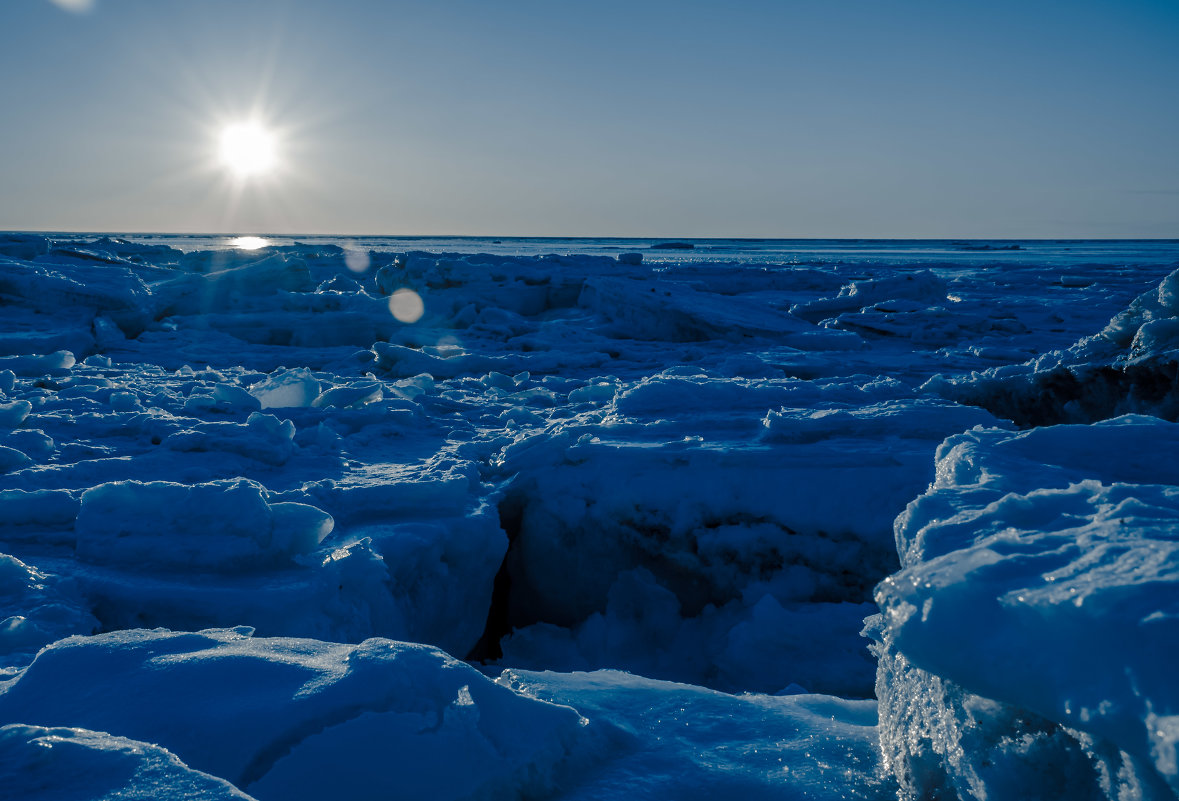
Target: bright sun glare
(247,149)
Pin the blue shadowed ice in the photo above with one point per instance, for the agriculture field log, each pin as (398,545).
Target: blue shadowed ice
(364,518)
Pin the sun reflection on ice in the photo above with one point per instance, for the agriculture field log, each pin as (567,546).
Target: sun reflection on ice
(249,242)
(406,305)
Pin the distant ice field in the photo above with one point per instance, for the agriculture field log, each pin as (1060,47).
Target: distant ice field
(956,253)
(364,517)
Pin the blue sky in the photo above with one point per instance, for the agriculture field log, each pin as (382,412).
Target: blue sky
(817,118)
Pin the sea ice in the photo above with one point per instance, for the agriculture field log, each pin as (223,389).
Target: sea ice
(564,463)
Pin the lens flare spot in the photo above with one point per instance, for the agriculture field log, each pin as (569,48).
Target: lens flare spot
(249,242)
(76,6)
(406,305)
(356,260)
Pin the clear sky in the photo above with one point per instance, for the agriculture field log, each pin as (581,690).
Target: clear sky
(794,118)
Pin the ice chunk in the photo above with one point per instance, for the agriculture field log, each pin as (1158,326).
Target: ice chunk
(287,389)
(14,413)
(28,331)
(38,507)
(263,437)
(499,381)
(399,360)
(235,397)
(390,277)
(597,391)
(125,402)
(222,525)
(66,763)
(1040,597)
(439,575)
(217,290)
(107,333)
(918,419)
(301,719)
(107,289)
(36,608)
(281,430)
(298,527)
(350,396)
(57,363)
(23,246)
(12,459)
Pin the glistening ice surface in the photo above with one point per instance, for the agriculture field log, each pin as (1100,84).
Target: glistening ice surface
(365,518)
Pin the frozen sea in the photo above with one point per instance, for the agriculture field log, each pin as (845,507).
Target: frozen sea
(495,518)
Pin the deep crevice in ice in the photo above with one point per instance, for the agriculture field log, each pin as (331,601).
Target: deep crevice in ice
(663,614)
(489,647)
(1129,367)
(1084,394)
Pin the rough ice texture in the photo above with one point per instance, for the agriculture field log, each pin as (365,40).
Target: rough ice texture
(70,764)
(301,719)
(219,526)
(705,744)
(1030,638)
(567,463)
(1130,366)
(38,609)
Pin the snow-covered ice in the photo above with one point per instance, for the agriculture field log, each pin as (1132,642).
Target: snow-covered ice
(340,519)
(1032,635)
(62,764)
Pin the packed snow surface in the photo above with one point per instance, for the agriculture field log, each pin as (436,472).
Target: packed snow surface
(467,519)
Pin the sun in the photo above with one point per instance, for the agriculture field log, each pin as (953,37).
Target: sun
(248,149)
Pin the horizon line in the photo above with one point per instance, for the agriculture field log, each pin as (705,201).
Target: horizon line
(694,238)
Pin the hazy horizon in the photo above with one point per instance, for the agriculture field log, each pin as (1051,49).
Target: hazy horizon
(634,237)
